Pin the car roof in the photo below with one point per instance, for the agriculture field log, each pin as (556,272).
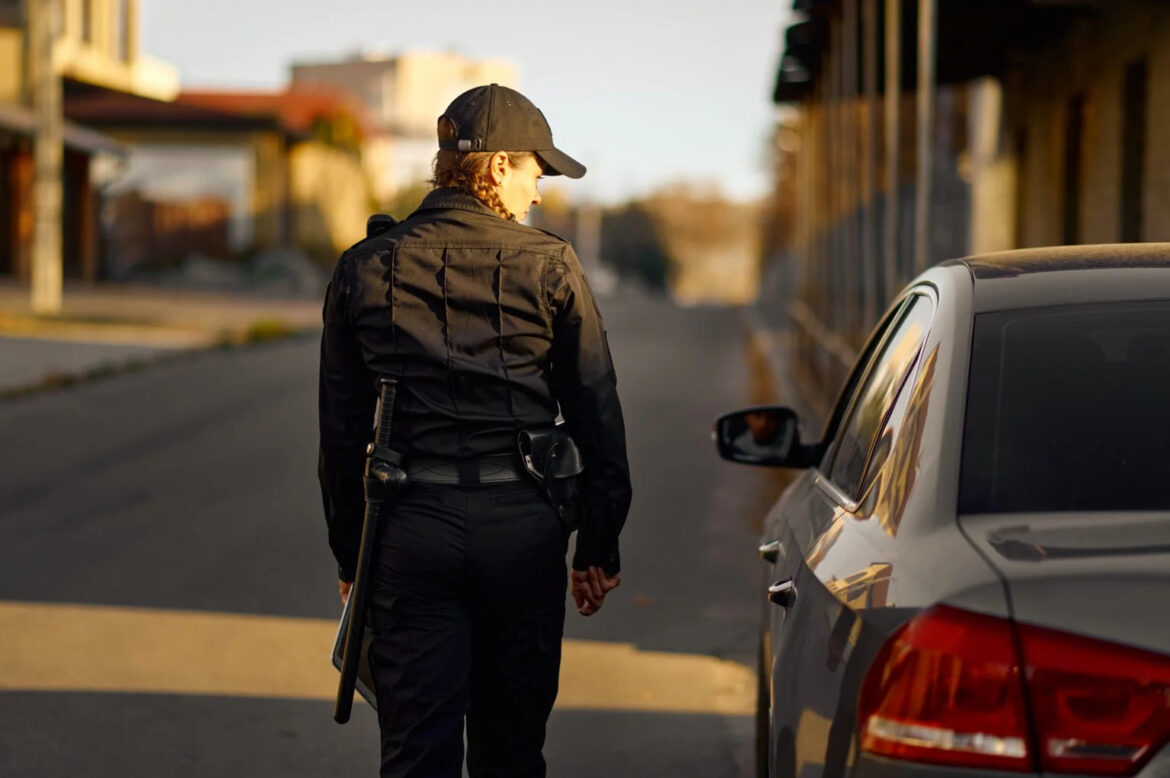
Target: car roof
(1064,275)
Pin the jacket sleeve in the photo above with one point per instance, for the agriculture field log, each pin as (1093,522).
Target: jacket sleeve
(585,385)
(346,404)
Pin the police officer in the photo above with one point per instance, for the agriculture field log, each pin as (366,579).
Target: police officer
(490,328)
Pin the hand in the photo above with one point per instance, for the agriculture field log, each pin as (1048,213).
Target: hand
(589,588)
(343,588)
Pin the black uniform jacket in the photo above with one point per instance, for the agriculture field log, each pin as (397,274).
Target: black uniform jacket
(488,325)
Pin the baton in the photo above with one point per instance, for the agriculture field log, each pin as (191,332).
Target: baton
(383,477)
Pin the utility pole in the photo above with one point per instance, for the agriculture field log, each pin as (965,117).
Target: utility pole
(44,21)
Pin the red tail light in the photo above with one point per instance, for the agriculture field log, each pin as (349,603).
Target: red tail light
(946,689)
(1099,708)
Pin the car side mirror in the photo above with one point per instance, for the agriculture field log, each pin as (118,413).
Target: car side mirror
(766,436)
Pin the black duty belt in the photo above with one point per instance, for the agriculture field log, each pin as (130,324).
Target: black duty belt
(494,469)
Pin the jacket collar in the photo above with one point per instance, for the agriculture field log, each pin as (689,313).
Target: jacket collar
(454,198)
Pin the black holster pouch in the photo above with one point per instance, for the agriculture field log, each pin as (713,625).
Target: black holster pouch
(552,458)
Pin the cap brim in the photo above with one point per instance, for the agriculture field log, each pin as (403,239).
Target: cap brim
(558,163)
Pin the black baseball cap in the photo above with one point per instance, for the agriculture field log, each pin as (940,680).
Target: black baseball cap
(496,118)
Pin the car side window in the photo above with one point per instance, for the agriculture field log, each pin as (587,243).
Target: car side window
(877,394)
(876,338)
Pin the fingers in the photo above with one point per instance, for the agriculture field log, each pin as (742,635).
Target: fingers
(584,600)
(594,581)
(578,596)
(601,583)
(586,606)
(589,588)
(343,588)
(583,596)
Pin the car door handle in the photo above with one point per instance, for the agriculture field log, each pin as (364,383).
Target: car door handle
(783,593)
(770,552)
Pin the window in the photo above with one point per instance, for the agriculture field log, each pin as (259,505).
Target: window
(854,378)
(1133,149)
(878,392)
(1067,410)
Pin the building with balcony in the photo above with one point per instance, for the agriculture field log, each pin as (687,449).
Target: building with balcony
(97,46)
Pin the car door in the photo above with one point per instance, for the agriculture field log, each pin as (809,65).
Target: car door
(787,533)
(834,567)
(786,528)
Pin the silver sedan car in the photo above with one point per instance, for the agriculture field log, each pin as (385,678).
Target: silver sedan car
(971,577)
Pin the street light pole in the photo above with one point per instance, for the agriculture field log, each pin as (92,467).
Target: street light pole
(44,20)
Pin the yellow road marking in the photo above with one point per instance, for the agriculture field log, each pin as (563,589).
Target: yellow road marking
(618,676)
(52,647)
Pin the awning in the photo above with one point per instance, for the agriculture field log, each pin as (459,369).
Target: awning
(974,39)
(23,121)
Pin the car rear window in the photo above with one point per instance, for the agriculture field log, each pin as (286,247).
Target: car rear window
(1068,409)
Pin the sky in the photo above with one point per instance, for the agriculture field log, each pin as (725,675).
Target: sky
(646,93)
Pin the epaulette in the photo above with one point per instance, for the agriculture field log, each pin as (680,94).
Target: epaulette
(375,226)
(379,223)
(550,233)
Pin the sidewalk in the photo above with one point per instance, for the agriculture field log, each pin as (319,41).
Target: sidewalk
(773,340)
(108,327)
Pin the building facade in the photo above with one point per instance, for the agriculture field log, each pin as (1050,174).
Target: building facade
(228,175)
(403,96)
(916,131)
(97,45)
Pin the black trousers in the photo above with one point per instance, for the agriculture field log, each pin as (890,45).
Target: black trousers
(468,610)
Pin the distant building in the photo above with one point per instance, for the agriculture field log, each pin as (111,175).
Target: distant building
(98,47)
(403,96)
(228,175)
(328,195)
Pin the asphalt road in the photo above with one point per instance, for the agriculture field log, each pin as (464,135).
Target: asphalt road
(31,360)
(188,489)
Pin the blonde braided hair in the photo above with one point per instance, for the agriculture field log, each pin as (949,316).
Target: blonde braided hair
(468,171)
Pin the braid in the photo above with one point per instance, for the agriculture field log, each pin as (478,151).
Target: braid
(468,171)
(487,194)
